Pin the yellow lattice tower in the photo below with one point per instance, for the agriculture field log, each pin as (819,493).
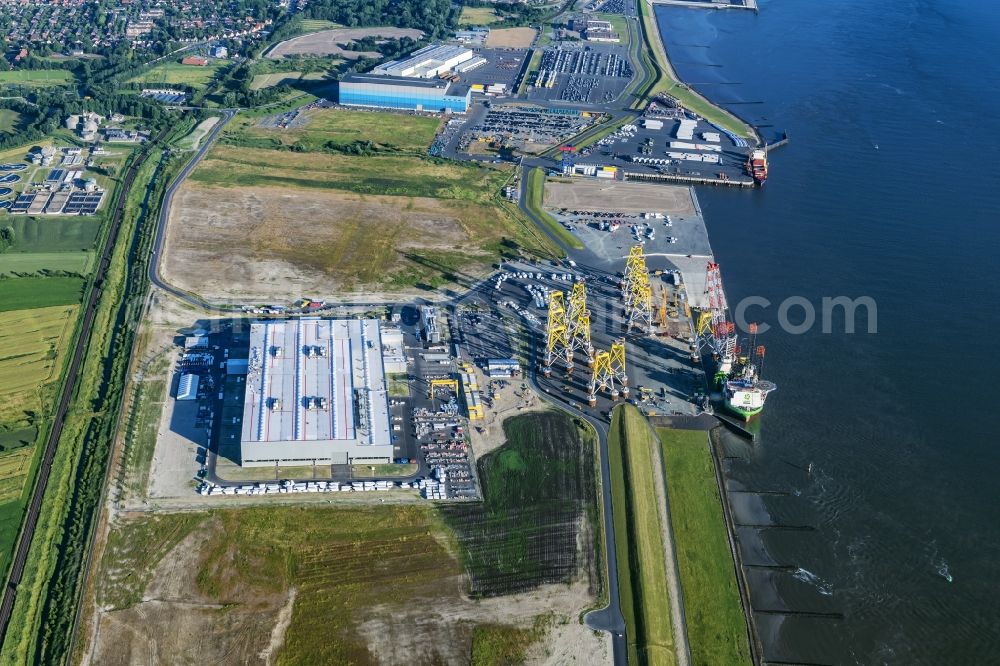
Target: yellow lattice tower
(578,326)
(618,367)
(638,295)
(602,376)
(556,332)
(639,308)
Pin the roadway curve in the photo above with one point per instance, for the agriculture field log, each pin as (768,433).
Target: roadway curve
(161,224)
(68,390)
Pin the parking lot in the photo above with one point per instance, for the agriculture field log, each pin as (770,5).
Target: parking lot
(525,128)
(581,73)
(502,67)
(644,148)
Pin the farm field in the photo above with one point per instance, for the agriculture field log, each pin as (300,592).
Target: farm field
(29,262)
(717,630)
(320,128)
(176,74)
(14,466)
(389,221)
(39,292)
(32,344)
(36,78)
(55,234)
(330,42)
(477,16)
(537,520)
(512,38)
(642,576)
(295,585)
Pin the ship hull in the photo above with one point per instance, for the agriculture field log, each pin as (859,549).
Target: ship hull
(745,413)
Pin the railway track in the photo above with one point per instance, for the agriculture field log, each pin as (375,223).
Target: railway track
(69,388)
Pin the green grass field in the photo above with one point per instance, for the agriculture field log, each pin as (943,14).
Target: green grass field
(262,81)
(341,128)
(535,195)
(642,576)
(478,16)
(55,234)
(39,292)
(717,630)
(389,175)
(29,262)
(36,78)
(175,74)
(10,121)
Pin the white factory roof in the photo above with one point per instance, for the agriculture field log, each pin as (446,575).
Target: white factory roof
(187,388)
(316,380)
(426,62)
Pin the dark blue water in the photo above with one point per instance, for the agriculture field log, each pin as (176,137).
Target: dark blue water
(889,189)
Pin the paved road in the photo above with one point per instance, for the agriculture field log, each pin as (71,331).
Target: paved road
(161,225)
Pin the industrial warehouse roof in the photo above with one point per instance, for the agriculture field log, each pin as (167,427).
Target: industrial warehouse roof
(387,80)
(316,380)
(427,62)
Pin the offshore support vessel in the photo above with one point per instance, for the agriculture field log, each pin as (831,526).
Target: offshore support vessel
(757,165)
(737,375)
(744,391)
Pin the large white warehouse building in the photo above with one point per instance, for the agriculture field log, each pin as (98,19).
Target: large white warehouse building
(315,394)
(426,63)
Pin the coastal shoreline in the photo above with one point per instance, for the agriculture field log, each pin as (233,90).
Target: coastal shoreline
(660,59)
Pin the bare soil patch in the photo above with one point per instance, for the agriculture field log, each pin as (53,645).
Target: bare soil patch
(268,243)
(331,42)
(511,38)
(591,194)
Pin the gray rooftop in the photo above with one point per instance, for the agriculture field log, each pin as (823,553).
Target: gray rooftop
(383,79)
(316,380)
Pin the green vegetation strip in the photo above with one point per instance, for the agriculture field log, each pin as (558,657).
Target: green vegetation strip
(717,629)
(535,193)
(642,575)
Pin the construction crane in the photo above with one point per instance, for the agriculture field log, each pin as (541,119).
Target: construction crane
(609,373)
(578,326)
(637,292)
(715,332)
(556,331)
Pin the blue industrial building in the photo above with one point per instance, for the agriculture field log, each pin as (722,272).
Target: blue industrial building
(398,92)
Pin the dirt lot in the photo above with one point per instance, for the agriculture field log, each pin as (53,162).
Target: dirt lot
(591,194)
(209,588)
(276,244)
(511,38)
(329,42)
